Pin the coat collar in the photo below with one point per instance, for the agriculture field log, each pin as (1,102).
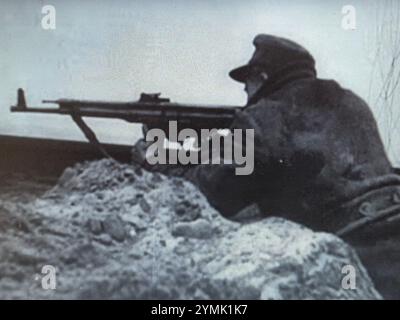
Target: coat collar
(287,74)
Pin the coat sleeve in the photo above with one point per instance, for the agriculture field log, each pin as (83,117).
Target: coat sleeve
(225,190)
(279,165)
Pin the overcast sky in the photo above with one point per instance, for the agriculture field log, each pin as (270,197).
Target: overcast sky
(116,49)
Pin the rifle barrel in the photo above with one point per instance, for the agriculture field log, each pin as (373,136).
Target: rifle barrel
(152,113)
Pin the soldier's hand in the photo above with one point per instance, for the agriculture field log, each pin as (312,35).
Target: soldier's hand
(139,152)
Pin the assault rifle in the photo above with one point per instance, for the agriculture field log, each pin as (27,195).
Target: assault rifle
(150,110)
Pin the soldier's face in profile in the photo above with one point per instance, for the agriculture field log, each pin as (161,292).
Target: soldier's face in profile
(254,81)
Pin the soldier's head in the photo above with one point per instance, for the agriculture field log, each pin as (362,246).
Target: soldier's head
(274,60)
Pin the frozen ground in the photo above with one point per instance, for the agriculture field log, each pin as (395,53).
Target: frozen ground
(117,231)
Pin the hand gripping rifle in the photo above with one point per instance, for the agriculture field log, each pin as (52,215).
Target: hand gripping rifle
(150,110)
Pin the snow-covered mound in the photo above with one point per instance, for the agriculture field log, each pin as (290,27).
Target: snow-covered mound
(117,231)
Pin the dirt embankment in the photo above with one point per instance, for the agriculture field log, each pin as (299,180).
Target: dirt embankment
(116,231)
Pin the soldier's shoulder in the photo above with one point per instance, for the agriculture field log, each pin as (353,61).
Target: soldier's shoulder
(330,93)
(265,108)
(344,101)
(265,104)
(333,88)
(321,93)
(258,113)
